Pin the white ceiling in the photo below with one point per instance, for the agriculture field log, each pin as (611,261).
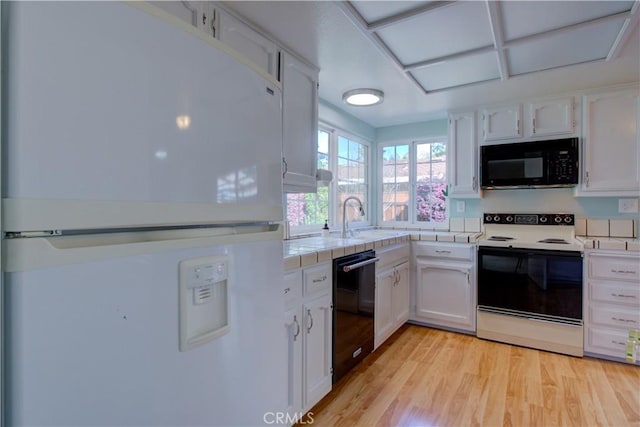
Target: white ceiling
(432,56)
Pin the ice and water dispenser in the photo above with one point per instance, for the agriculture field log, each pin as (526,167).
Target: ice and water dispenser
(204,300)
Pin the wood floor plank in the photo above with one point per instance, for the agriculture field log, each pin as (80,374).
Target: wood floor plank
(428,377)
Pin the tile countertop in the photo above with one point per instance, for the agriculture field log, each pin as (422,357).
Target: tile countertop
(309,251)
(613,243)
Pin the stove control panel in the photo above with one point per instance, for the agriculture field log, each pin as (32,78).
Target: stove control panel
(529,219)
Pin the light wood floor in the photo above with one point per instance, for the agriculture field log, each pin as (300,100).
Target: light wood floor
(428,377)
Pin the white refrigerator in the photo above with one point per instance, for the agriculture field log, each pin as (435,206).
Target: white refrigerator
(142,260)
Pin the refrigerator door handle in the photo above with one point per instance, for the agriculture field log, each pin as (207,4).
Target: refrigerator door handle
(24,254)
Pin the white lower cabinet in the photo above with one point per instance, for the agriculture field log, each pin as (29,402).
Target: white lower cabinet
(445,285)
(611,302)
(308,322)
(392,291)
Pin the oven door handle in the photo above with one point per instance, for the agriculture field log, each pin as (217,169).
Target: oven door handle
(348,268)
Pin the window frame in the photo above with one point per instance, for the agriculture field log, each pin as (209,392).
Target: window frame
(333,214)
(412,221)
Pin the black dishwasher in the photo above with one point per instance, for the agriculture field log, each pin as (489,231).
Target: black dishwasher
(353,309)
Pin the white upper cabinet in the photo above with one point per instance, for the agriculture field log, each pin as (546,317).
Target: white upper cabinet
(300,125)
(252,45)
(503,122)
(611,147)
(463,156)
(550,117)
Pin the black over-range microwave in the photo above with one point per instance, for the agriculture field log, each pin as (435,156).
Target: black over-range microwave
(536,164)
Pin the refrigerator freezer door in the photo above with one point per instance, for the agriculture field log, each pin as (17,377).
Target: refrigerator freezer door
(97,343)
(128,119)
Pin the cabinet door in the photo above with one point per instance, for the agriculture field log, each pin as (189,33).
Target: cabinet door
(445,294)
(300,125)
(318,354)
(552,117)
(295,335)
(252,45)
(611,154)
(463,156)
(385,284)
(400,298)
(502,122)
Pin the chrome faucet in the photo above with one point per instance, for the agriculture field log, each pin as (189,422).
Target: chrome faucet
(344,213)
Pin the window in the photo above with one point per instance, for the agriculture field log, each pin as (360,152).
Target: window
(414,183)
(347,158)
(312,209)
(351,177)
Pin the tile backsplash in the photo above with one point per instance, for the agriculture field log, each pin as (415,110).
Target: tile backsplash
(597,227)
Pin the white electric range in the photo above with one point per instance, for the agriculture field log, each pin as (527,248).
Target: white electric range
(533,231)
(530,281)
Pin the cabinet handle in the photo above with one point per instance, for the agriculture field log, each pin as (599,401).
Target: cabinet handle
(518,126)
(474,183)
(295,320)
(622,295)
(442,251)
(322,279)
(468,278)
(623,271)
(311,318)
(615,319)
(618,343)
(534,125)
(586,177)
(284,167)
(287,290)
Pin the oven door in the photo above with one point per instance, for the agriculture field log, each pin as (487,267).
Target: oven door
(541,284)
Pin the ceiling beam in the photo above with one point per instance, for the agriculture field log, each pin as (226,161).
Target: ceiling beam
(403,16)
(495,21)
(625,32)
(352,13)
(442,59)
(579,25)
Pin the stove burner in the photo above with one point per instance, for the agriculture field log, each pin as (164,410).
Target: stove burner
(555,241)
(500,238)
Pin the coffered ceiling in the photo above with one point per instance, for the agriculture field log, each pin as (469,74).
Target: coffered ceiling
(433,56)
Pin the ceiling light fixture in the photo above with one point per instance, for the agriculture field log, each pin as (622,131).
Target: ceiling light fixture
(363,97)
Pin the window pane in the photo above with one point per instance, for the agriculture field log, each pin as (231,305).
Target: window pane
(352,178)
(323,142)
(343,147)
(323,161)
(388,173)
(431,182)
(308,208)
(389,154)
(402,154)
(438,151)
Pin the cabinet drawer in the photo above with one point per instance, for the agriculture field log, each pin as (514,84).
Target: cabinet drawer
(615,292)
(605,341)
(619,268)
(392,256)
(444,250)
(292,288)
(317,279)
(614,316)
